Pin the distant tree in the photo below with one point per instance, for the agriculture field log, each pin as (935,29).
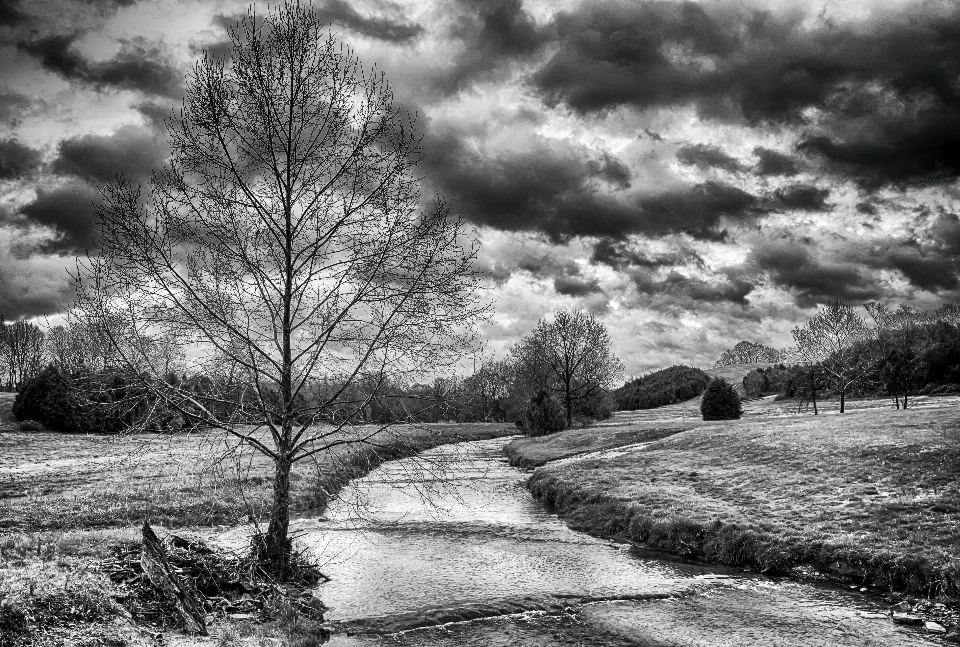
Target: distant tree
(748,353)
(829,340)
(568,356)
(899,337)
(720,401)
(23,350)
(488,389)
(287,244)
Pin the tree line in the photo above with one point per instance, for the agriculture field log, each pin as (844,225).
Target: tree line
(879,350)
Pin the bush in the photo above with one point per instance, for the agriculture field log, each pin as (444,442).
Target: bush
(32,425)
(720,401)
(49,399)
(544,415)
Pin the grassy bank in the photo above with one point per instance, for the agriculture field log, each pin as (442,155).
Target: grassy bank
(66,499)
(872,495)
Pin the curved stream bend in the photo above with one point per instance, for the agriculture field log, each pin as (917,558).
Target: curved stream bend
(463,555)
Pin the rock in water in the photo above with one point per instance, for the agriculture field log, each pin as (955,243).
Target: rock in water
(934,627)
(906,619)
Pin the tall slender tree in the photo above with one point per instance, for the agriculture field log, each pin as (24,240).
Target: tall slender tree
(286,244)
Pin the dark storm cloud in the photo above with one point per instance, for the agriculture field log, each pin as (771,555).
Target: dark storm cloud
(930,263)
(705,156)
(698,211)
(618,255)
(493,33)
(737,62)
(920,148)
(341,13)
(677,290)
(565,193)
(10,13)
(810,274)
(17,159)
(131,151)
(139,65)
(156,114)
(69,212)
(575,286)
(802,197)
(771,162)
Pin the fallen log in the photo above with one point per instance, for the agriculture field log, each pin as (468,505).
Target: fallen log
(164,578)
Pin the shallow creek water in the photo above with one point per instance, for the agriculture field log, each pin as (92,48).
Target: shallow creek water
(453,535)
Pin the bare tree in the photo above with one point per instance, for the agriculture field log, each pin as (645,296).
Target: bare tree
(829,340)
(570,356)
(747,352)
(286,245)
(899,336)
(23,351)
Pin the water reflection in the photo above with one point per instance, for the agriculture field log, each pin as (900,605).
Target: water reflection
(458,530)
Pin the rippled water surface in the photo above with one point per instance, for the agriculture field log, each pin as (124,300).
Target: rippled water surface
(454,532)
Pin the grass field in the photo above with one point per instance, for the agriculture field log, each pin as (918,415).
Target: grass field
(66,498)
(872,494)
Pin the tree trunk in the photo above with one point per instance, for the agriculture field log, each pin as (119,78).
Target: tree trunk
(842,398)
(904,399)
(277,545)
(896,398)
(813,392)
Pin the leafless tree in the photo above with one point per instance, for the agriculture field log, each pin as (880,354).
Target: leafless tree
(829,340)
(23,350)
(570,356)
(285,245)
(747,352)
(899,336)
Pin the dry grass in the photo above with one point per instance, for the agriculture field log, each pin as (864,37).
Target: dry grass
(66,498)
(874,492)
(54,482)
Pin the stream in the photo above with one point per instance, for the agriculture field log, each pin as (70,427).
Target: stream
(452,540)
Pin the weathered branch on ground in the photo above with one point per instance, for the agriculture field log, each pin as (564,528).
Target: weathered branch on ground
(162,576)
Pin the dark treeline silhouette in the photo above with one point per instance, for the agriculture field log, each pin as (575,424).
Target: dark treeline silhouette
(667,386)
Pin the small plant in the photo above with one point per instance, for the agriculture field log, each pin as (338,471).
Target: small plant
(720,401)
(543,416)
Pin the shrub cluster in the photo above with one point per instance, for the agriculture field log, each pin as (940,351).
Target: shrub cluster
(544,415)
(668,386)
(720,401)
(91,403)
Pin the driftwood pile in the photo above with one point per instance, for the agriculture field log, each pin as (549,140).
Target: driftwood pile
(183,583)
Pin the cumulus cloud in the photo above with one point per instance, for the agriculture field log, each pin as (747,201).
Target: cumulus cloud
(131,151)
(342,13)
(771,162)
(139,65)
(812,274)
(17,159)
(705,156)
(68,212)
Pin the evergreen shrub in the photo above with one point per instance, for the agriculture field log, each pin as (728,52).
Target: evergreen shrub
(720,401)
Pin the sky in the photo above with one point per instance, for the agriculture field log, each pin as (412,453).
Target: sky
(693,173)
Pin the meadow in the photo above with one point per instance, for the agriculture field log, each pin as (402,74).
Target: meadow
(872,495)
(66,500)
